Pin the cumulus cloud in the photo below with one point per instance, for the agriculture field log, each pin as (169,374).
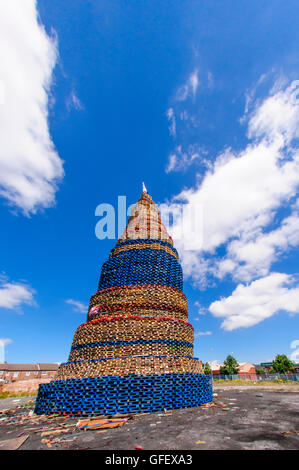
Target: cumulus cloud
(29,164)
(241,195)
(13,294)
(77,306)
(253,257)
(277,118)
(253,303)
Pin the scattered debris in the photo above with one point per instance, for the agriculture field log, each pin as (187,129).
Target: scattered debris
(58,441)
(58,431)
(47,443)
(54,431)
(101,423)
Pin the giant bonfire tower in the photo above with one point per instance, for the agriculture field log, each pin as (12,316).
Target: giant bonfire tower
(135,352)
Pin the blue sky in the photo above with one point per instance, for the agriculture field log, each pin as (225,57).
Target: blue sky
(199,99)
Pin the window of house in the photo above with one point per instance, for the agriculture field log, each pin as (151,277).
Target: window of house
(35,372)
(44,372)
(1,372)
(27,373)
(16,374)
(7,374)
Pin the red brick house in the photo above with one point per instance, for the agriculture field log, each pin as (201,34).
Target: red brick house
(16,372)
(246,370)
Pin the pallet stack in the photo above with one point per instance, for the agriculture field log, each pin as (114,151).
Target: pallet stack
(135,352)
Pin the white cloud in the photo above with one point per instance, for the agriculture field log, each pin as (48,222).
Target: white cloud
(189,88)
(277,119)
(5,341)
(202,333)
(182,93)
(214,363)
(294,356)
(29,164)
(181,159)
(74,102)
(12,295)
(252,257)
(171,119)
(194,82)
(172,163)
(78,306)
(241,195)
(210,80)
(250,304)
(201,310)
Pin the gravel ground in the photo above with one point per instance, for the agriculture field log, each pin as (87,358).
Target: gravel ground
(14,402)
(241,417)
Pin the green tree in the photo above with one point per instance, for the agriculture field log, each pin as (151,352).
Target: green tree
(207,368)
(230,366)
(282,364)
(260,370)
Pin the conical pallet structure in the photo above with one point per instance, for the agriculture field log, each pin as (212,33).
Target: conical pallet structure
(135,352)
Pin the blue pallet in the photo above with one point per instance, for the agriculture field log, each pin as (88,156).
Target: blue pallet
(140,267)
(124,394)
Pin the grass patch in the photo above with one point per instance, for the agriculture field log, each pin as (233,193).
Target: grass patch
(17,394)
(255,382)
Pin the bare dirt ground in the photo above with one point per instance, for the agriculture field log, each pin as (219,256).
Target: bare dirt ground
(241,417)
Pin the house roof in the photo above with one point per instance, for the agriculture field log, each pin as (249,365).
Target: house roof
(28,367)
(245,366)
(53,366)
